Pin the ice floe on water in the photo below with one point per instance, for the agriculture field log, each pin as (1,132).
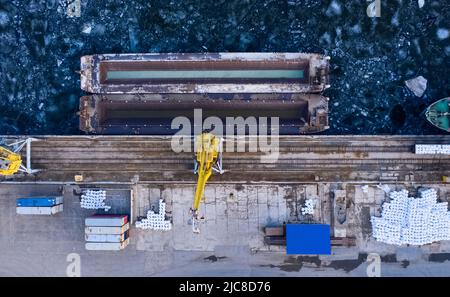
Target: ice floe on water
(87,28)
(421,3)
(442,33)
(335,8)
(4,19)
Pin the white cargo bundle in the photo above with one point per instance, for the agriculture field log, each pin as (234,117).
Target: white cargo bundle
(94,199)
(433,149)
(309,207)
(415,221)
(155,221)
(39,210)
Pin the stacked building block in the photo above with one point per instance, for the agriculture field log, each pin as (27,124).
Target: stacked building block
(309,207)
(107,232)
(39,205)
(94,199)
(415,221)
(156,221)
(425,149)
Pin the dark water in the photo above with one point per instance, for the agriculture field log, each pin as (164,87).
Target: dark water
(371,57)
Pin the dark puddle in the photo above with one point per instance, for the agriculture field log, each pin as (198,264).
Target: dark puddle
(213,258)
(441,257)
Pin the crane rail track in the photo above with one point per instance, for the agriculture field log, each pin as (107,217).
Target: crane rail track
(119,158)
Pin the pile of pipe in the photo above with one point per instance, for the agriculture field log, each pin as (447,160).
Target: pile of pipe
(309,207)
(94,199)
(425,149)
(414,221)
(156,221)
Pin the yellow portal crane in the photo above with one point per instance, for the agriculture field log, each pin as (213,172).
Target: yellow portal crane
(208,157)
(9,162)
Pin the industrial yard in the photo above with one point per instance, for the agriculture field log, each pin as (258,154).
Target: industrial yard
(238,205)
(231,244)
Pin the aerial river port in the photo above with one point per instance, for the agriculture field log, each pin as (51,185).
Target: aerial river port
(224,204)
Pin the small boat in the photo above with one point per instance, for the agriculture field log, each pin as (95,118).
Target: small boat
(438,114)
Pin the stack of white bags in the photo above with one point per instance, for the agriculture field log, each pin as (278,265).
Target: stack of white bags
(424,149)
(94,199)
(415,221)
(156,221)
(309,207)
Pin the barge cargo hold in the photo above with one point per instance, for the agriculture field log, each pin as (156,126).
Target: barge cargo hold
(205,73)
(154,113)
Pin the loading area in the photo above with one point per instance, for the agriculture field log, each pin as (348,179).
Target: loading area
(232,237)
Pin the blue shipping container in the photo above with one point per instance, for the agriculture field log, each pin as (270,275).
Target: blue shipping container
(308,239)
(39,201)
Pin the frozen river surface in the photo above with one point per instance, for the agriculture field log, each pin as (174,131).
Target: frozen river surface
(40,47)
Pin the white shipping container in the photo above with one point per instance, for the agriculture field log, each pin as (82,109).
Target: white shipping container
(106,221)
(59,200)
(39,210)
(106,230)
(106,246)
(106,237)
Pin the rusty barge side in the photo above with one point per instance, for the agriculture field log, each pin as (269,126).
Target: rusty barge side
(153,113)
(205,73)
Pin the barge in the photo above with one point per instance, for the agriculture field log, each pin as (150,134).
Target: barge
(154,113)
(205,73)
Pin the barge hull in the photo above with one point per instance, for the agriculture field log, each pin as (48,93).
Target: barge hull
(205,73)
(154,113)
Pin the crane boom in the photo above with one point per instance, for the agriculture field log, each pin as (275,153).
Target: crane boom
(208,157)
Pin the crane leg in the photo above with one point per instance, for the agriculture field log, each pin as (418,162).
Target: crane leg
(195,221)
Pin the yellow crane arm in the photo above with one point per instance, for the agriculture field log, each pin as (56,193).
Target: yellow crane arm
(201,184)
(207,156)
(9,162)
